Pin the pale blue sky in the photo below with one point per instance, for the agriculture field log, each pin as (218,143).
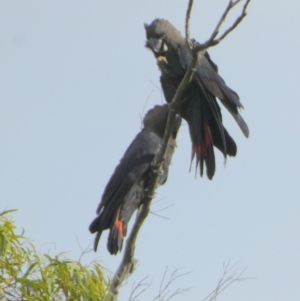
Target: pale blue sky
(74,80)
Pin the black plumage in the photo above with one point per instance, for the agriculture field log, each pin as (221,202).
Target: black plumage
(199,106)
(128,185)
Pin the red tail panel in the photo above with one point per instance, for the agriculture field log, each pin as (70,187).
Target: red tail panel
(119,225)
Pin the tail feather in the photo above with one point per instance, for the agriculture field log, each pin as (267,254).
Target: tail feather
(108,220)
(121,219)
(95,226)
(227,145)
(115,217)
(96,241)
(116,235)
(205,153)
(205,125)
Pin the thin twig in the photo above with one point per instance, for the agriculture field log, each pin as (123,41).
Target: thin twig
(164,293)
(236,23)
(229,276)
(135,293)
(212,41)
(187,23)
(162,209)
(222,19)
(161,216)
(159,89)
(143,110)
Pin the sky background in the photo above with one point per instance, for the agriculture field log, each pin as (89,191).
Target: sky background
(75,79)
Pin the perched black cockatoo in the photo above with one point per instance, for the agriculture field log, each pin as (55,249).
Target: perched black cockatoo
(128,185)
(198,106)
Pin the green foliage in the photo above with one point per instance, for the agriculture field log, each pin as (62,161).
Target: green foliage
(26,275)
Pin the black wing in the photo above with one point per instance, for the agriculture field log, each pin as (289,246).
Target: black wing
(207,77)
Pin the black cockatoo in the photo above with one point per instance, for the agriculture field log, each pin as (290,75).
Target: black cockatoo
(128,185)
(198,106)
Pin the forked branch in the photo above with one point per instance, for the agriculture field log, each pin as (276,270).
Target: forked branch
(229,276)
(214,40)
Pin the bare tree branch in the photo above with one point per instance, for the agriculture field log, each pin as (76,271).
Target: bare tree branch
(156,212)
(160,210)
(230,5)
(197,50)
(165,293)
(212,41)
(187,22)
(229,276)
(143,111)
(139,289)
